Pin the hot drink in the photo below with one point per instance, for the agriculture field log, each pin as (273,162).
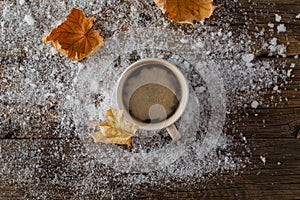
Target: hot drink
(152,103)
(151,93)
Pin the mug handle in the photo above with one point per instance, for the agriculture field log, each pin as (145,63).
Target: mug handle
(173,132)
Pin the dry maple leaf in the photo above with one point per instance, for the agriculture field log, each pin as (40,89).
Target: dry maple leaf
(186,11)
(116,130)
(74,37)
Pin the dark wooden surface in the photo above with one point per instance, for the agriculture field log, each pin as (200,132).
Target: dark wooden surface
(276,139)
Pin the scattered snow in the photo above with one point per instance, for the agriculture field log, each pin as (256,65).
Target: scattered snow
(201,89)
(277,18)
(289,72)
(258,173)
(254,104)
(248,57)
(263,159)
(184,40)
(53,51)
(281,28)
(298,16)
(292,65)
(273,41)
(29,19)
(273,47)
(275,88)
(22,2)
(271,25)
(2,26)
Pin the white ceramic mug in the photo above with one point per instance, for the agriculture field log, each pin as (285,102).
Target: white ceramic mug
(168,75)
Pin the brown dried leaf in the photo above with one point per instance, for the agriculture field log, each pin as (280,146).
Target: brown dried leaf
(74,37)
(116,130)
(186,11)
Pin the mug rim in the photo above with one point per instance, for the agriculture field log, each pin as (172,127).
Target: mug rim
(184,93)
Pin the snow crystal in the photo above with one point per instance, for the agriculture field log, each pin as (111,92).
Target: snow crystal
(248,57)
(278,163)
(263,159)
(292,65)
(53,51)
(275,88)
(289,72)
(258,173)
(271,25)
(254,104)
(277,18)
(273,41)
(2,26)
(184,40)
(29,19)
(281,28)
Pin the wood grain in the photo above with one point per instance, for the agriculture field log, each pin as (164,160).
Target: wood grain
(278,177)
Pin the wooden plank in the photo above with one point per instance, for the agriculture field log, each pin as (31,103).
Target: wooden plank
(55,175)
(253,16)
(267,123)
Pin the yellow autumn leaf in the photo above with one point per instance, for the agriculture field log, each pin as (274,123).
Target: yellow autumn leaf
(116,130)
(186,11)
(75,37)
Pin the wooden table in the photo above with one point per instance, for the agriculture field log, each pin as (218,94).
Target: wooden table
(277,139)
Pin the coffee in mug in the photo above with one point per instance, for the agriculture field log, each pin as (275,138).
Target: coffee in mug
(153,94)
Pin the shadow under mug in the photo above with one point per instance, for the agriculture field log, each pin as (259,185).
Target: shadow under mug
(167,123)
